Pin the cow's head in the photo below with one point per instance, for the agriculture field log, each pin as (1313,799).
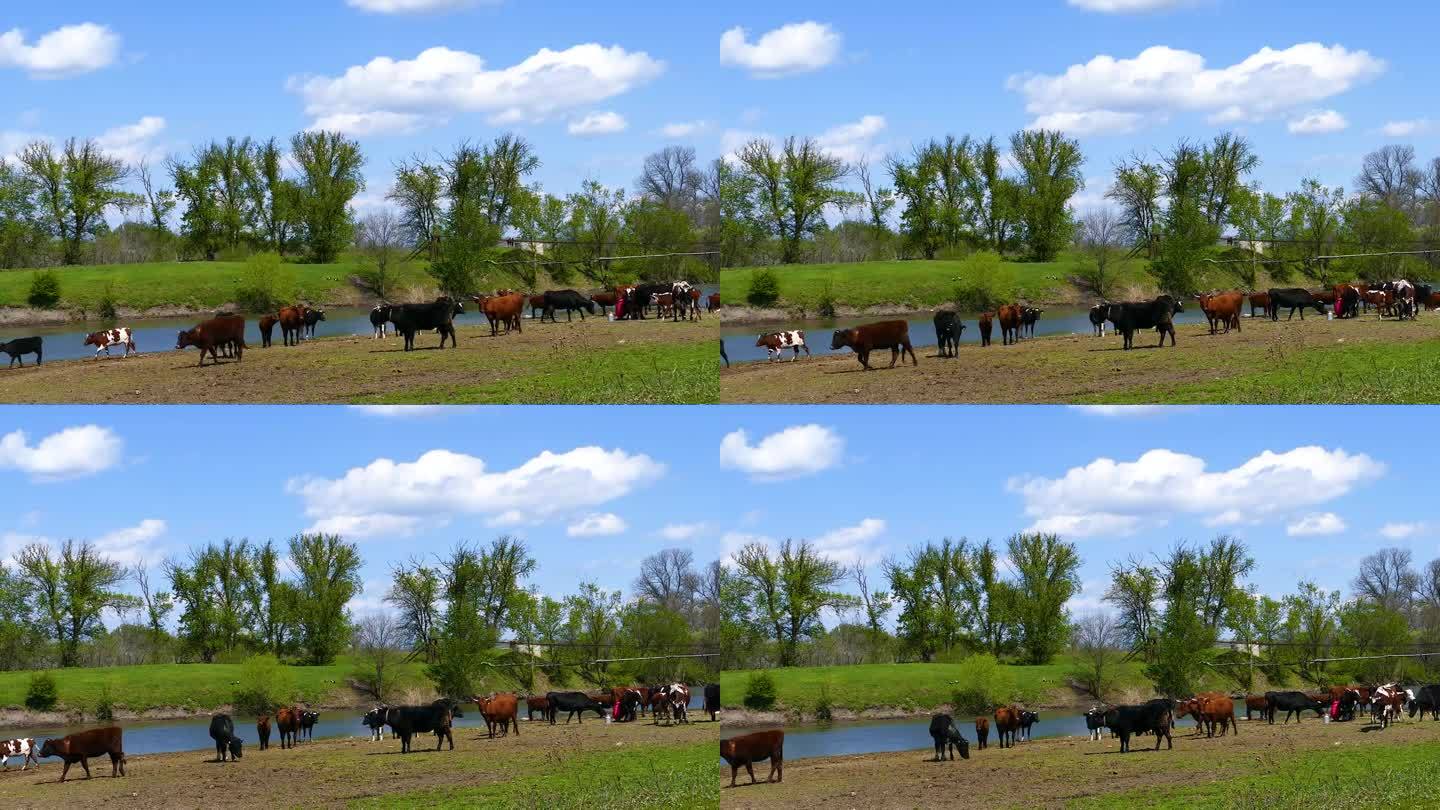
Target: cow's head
(590,306)
(235,745)
(840,339)
(186,337)
(51,748)
(92,339)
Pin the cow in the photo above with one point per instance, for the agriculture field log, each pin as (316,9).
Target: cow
(1292,703)
(499,710)
(537,703)
(776,343)
(892,335)
(679,695)
(713,301)
(1386,702)
(435,717)
(605,300)
(80,747)
(1257,703)
(379,321)
(502,310)
(292,324)
(1427,701)
(575,704)
(1260,301)
(986,322)
(948,329)
(1027,719)
(712,701)
(1095,722)
(1293,298)
(104,339)
(747,749)
(1348,298)
(1212,709)
(214,334)
(1097,318)
(642,296)
(1158,315)
(1010,317)
(1424,294)
(262,731)
(568,300)
(312,318)
(664,304)
(1154,716)
(947,738)
(287,722)
(1007,723)
(1222,309)
(438,315)
(222,731)
(982,732)
(1028,317)
(536,304)
(375,721)
(267,330)
(23,748)
(630,706)
(308,719)
(19,347)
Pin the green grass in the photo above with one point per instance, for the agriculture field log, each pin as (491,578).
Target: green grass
(669,374)
(1355,776)
(629,777)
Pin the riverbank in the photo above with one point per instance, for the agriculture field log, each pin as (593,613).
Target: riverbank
(1312,765)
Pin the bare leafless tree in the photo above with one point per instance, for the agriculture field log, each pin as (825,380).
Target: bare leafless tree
(1388,579)
(1389,174)
(1097,638)
(378,639)
(1102,237)
(672,176)
(380,239)
(668,578)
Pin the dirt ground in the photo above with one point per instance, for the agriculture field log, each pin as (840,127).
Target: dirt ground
(330,772)
(338,369)
(1056,369)
(1047,772)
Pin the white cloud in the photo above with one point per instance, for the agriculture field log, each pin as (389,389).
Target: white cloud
(678,532)
(1108,94)
(1320,523)
(130,544)
(684,129)
(598,123)
(355,527)
(1405,129)
(1113,496)
(854,142)
(1128,6)
(1089,122)
(1121,410)
(400,411)
(385,94)
(72,453)
(794,451)
(67,51)
(852,544)
(1400,531)
(597,525)
(733,140)
(1317,122)
(135,142)
(409,6)
(388,495)
(376,122)
(789,49)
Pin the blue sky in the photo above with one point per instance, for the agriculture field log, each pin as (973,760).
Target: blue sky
(153,482)
(156,77)
(1295,484)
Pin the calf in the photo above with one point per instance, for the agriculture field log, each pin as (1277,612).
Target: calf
(1028,317)
(215,334)
(712,701)
(379,321)
(1027,719)
(1259,301)
(948,328)
(568,300)
(537,703)
(1097,319)
(80,747)
(982,732)
(1293,298)
(104,339)
(1427,701)
(262,731)
(19,347)
(892,335)
(23,748)
(747,749)
(776,343)
(308,719)
(375,721)
(1257,703)
(1154,717)
(222,731)
(679,696)
(287,722)
(312,318)
(713,301)
(605,300)
(267,330)
(947,738)
(1095,722)
(986,322)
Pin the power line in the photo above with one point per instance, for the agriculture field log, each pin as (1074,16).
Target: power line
(1373,657)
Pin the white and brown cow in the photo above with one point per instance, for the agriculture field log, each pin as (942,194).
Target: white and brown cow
(679,702)
(102,341)
(776,343)
(18,748)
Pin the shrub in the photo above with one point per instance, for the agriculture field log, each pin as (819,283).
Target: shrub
(764,288)
(44,290)
(264,685)
(823,704)
(825,303)
(265,284)
(984,684)
(106,307)
(984,283)
(105,706)
(760,692)
(42,695)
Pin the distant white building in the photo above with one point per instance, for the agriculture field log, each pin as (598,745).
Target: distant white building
(524,244)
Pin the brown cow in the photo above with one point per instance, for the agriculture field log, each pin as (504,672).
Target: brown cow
(604,299)
(500,709)
(982,731)
(80,747)
(892,335)
(617,695)
(1261,300)
(747,749)
(1222,308)
(1010,317)
(664,304)
(1215,708)
(536,302)
(262,730)
(987,327)
(695,306)
(292,323)
(287,721)
(537,703)
(1257,703)
(267,330)
(714,301)
(1007,722)
(502,309)
(214,334)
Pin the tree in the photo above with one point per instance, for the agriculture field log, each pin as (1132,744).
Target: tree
(1184,642)
(22,235)
(1047,577)
(1311,624)
(159,202)
(1186,231)
(418,193)
(791,590)
(1388,579)
(274,199)
(201,223)
(377,647)
(793,185)
(996,197)
(671,178)
(1371,226)
(329,576)
(1316,214)
(668,579)
(330,176)
(989,610)
(502,566)
(415,592)
(20,638)
(157,604)
(233,167)
(1134,591)
(876,603)
(592,627)
(75,186)
(378,238)
(1096,638)
(1099,237)
(879,202)
(1049,166)
(1137,190)
(1227,160)
(596,218)
(1390,176)
(921,217)
(72,591)
(273,602)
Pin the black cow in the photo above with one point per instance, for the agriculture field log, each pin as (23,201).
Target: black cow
(1027,719)
(222,731)
(1098,314)
(568,300)
(308,720)
(1132,316)
(375,721)
(1028,317)
(1293,298)
(1427,701)
(1154,717)
(1292,703)
(947,738)
(712,700)
(19,347)
(379,319)
(948,329)
(1095,722)
(438,315)
(1349,302)
(436,717)
(312,317)
(638,299)
(576,703)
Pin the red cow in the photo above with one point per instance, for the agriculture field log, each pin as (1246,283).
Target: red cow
(267,330)
(215,334)
(1222,308)
(987,327)
(1010,316)
(1260,300)
(502,309)
(537,703)
(747,749)
(713,302)
(292,324)
(262,730)
(892,335)
(502,710)
(982,731)
(80,747)
(287,721)
(1007,722)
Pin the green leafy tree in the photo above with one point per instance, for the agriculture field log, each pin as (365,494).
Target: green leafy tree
(273,198)
(1186,232)
(22,234)
(328,576)
(1316,218)
(792,186)
(418,193)
(72,591)
(272,600)
(330,176)
(415,594)
(790,590)
(1050,176)
(1137,190)
(1047,576)
(75,184)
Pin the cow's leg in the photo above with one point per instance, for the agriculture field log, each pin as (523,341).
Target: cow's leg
(85,763)
(65,770)
(750,769)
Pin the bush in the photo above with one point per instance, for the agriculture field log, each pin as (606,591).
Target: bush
(984,283)
(264,685)
(105,706)
(106,307)
(265,284)
(984,685)
(764,288)
(44,290)
(42,695)
(760,692)
(825,303)
(823,704)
